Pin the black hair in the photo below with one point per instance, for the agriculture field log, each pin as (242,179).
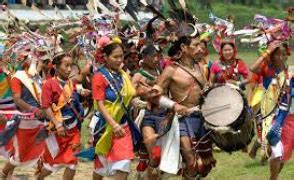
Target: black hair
(176,48)
(58,59)
(149,50)
(107,50)
(229,43)
(285,46)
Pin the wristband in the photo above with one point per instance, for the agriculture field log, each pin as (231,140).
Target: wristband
(165,102)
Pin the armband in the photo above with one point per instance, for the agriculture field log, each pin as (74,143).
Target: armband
(165,102)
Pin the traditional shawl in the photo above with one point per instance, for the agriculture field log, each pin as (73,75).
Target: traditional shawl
(28,82)
(268,103)
(63,99)
(115,110)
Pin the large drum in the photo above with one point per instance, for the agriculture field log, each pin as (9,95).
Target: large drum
(227,115)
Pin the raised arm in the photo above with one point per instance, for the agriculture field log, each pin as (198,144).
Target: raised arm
(255,67)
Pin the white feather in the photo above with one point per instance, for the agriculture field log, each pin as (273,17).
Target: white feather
(33,67)
(50,2)
(183,4)
(24,2)
(144,2)
(103,8)
(91,9)
(247,32)
(115,4)
(71,12)
(123,3)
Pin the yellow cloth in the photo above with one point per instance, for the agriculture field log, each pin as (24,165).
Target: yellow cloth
(116,112)
(258,94)
(62,100)
(268,102)
(34,89)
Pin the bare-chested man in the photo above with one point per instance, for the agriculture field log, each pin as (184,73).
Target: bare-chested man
(185,82)
(143,81)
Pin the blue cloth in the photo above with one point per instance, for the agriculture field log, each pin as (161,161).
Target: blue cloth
(27,97)
(67,110)
(192,126)
(87,154)
(11,1)
(274,135)
(154,120)
(110,93)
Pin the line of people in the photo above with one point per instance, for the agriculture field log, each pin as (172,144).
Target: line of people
(146,99)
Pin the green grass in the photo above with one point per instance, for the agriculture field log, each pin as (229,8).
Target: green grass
(239,166)
(233,166)
(250,56)
(243,14)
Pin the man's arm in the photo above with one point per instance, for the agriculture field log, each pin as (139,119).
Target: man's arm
(164,80)
(161,88)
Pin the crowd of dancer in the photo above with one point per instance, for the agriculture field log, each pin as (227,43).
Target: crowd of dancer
(145,90)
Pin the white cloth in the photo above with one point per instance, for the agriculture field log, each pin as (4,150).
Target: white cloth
(277,150)
(57,167)
(52,145)
(110,168)
(140,117)
(170,154)
(93,123)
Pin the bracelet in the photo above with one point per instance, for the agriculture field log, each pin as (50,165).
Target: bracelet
(165,102)
(266,53)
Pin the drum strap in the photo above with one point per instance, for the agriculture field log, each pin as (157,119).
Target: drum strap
(194,77)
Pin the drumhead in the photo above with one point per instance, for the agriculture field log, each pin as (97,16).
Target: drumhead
(222,106)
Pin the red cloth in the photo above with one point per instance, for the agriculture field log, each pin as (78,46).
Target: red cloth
(264,71)
(25,147)
(288,137)
(242,70)
(166,62)
(51,92)
(16,86)
(256,79)
(99,85)
(66,153)
(122,149)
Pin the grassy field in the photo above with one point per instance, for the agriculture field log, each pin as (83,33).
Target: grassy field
(229,166)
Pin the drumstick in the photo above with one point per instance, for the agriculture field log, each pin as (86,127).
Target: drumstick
(196,108)
(213,112)
(217,107)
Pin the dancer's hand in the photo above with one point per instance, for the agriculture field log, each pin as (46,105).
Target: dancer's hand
(60,131)
(118,131)
(180,109)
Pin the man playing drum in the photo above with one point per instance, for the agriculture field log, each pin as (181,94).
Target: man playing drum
(185,82)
